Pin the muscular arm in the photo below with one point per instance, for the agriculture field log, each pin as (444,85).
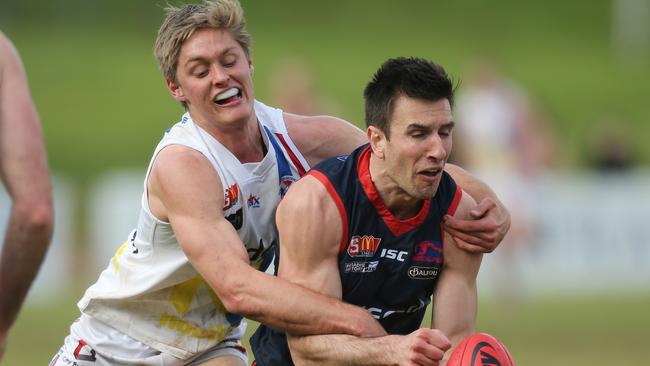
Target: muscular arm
(455,298)
(24,172)
(487,223)
(322,137)
(185,189)
(310,232)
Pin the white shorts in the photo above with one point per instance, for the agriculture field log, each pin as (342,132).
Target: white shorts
(93,343)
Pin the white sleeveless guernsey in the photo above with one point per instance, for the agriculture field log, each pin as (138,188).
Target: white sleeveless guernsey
(150,291)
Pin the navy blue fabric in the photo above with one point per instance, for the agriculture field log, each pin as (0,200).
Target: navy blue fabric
(390,269)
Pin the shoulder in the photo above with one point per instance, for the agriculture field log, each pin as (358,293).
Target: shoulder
(306,194)
(181,167)
(465,204)
(8,54)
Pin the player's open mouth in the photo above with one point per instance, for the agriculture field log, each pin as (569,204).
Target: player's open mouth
(430,172)
(227,97)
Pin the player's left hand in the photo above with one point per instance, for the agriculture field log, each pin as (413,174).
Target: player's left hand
(489,223)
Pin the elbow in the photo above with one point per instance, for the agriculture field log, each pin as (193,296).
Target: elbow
(37,218)
(235,297)
(234,303)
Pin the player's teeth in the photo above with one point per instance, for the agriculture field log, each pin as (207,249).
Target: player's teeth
(227,94)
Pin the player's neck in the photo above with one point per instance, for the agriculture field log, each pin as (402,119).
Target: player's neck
(402,205)
(245,141)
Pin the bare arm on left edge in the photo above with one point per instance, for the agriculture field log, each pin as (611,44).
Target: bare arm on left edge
(24,172)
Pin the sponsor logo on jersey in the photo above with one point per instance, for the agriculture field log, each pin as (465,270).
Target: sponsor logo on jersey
(428,252)
(84,352)
(230,196)
(423,273)
(286,182)
(361,267)
(363,246)
(253,201)
(379,313)
(394,254)
(342,158)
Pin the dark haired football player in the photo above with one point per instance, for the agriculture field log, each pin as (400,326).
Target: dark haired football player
(367,228)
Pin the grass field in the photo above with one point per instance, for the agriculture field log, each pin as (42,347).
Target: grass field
(561,332)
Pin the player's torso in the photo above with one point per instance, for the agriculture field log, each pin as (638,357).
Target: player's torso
(388,266)
(151,291)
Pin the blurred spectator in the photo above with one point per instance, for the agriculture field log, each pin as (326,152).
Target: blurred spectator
(610,149)
(504,139)
(293,90)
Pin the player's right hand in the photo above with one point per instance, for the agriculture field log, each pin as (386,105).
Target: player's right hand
(423,347)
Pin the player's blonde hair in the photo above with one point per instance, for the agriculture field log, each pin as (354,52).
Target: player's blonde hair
(181,22)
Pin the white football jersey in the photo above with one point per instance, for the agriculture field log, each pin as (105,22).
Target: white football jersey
(150,291)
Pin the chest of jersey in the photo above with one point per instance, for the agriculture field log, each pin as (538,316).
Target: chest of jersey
(393,276)
(387,265)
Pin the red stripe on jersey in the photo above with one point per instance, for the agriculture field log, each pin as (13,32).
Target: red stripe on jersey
(397,227)
(454,202)
(339,205)
(292,155)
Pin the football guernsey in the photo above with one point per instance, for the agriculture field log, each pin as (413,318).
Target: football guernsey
(150,291)
(387,265)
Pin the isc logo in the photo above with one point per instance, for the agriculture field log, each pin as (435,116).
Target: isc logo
(363,246)
(393,254)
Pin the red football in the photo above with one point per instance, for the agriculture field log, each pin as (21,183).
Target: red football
(480,349)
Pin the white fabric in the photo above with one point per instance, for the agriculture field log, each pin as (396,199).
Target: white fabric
(118,349)
(150,291)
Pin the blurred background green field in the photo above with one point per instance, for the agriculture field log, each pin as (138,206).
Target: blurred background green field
(564,332)
(104,106)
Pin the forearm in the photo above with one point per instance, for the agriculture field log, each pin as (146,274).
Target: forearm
(455,312)
(338,349)
(25,245)
(478,189)
(296,309)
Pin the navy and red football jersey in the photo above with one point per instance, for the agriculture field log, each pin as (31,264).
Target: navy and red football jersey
(387,265)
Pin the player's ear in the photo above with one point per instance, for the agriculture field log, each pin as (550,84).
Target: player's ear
(377,141)
(176,90)
(250,66)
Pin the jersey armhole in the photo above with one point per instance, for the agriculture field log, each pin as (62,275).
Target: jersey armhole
(455,201)
(339,205)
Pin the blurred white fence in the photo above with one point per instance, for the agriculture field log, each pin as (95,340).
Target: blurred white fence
(589,235)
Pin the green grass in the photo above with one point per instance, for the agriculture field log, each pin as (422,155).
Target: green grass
(555,331)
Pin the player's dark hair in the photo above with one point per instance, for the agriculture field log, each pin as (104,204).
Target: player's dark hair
(413,77)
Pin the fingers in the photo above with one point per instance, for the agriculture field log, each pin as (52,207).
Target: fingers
(476,242)
(484,224)
(427,347)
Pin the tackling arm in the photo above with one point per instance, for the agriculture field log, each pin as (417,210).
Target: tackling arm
(24,172)
(487,223)
(455,297)
(323,137)
(186,189)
